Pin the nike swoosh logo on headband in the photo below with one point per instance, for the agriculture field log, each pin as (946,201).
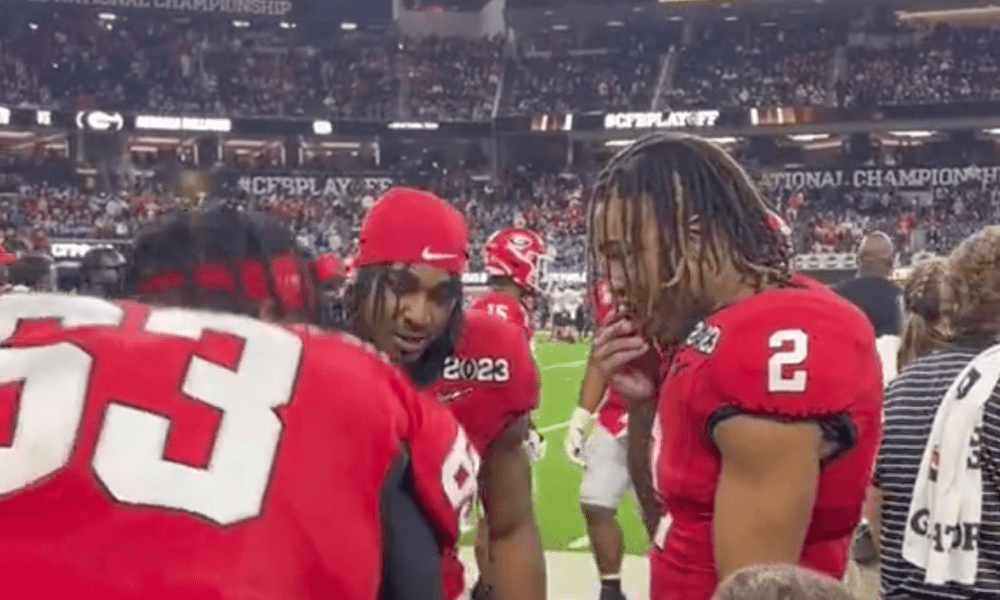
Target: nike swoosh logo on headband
(430,256)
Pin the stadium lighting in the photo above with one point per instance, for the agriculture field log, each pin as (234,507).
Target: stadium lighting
(732,18)
(32,26)
(241,23)
(992,131)
(615,24)
(107,16)
(287,25)
(560,27)
(348,26)
(722,140)
(809,137)
(618,143)
(912,134)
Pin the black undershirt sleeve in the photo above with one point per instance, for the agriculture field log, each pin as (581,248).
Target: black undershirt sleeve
(411,563)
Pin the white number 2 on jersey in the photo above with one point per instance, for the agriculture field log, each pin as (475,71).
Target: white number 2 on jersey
(128,458)
(792,347)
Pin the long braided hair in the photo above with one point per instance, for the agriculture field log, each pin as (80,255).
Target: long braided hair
(687,184)
(184,240)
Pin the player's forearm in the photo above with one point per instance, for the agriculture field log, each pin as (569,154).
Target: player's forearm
(873,512)
(519,564)
(640,431)
(592,388)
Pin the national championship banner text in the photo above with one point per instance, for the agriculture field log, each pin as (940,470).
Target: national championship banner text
(885,177)
(275,8)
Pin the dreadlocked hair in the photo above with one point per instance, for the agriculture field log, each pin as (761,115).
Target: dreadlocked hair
(182,241)
(926,328)
(691,183)
(369,284)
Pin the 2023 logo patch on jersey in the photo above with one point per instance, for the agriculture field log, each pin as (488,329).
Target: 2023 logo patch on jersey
(487,370)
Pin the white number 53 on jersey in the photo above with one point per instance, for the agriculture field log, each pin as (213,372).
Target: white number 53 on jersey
(128,458)
(785,370)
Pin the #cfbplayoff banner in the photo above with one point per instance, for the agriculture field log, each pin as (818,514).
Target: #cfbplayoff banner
(335,187)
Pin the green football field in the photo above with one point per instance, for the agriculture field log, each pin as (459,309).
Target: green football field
(556,479)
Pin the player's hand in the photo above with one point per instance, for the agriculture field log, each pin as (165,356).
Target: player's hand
(535,445)
(576,435)
(626,360)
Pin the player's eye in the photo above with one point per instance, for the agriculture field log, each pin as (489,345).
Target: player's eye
(447,294)
(402,282)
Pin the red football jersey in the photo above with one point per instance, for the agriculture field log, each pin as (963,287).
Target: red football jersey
(612,414)
(491,379)
(783,353)
(507,308)
(162,453)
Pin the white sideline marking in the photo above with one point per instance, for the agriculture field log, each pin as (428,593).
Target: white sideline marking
(573,576)
(579,543)
(553,427)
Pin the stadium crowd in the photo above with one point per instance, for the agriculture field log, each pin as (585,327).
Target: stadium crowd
(828,220)
(214,68)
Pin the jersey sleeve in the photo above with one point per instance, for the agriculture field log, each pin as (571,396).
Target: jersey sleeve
(513,393)
(795,360)
(444,467)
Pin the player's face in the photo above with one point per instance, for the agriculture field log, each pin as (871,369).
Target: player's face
(632,258)
(418,304)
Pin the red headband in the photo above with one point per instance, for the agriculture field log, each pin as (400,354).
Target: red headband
(413,227)
(219,277)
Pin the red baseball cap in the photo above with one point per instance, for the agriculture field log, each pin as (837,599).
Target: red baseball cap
(413,227)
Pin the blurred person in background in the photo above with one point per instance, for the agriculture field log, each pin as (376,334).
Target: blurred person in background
(604,458)
(925,326)
(877,296)
(754,448)
(938,490)
(781,582)
(102,272)
(516,262)
(33,272)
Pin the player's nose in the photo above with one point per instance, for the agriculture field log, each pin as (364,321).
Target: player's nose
(418,312)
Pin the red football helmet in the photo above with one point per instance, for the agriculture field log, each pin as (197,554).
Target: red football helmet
(519,254)
(328,267)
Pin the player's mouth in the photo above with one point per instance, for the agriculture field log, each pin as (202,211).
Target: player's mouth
(410,344)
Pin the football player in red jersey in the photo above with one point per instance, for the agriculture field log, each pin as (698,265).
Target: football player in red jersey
(516,260)
(769,416)
(406,298)
(154,452)
(603,456)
